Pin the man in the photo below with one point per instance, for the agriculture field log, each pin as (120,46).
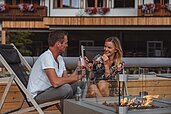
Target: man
(49,80)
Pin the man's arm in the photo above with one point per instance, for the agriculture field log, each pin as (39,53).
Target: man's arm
(58,81)
(65,74)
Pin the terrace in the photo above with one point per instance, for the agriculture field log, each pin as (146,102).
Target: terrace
(23,12)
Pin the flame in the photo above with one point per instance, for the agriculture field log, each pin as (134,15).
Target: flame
(149,99)
(123,101)
(132,102)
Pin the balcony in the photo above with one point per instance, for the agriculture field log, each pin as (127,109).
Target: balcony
(13,12)
(154,10)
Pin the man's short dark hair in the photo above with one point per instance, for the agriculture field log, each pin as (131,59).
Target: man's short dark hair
(57,35)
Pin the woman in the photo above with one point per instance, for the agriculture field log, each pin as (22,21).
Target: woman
(106,67)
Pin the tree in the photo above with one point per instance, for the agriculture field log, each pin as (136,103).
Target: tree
(22,41)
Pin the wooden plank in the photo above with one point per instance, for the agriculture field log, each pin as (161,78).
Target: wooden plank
(155,90)
(153,87)
(149,83)
(13,96)
(10,106)
(23,24)
(3,38)
(46,112)
(107,21)
(13,88)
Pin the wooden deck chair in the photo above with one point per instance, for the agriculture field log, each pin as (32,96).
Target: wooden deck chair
(9,57)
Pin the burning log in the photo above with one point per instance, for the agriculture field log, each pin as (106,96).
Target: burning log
(135,102)
(139,103)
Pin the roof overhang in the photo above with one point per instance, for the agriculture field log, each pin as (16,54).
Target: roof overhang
(110,28)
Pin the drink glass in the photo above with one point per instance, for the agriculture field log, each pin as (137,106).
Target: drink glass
(97,58)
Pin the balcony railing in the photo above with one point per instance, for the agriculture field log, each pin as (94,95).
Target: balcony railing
(154,10)
(13,12)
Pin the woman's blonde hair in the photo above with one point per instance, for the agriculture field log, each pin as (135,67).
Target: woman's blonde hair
(119,52)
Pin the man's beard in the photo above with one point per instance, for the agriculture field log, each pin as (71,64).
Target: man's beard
(63,51)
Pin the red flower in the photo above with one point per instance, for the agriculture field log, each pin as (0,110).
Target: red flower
(91,10)
(149,8)
(103,11)
(120,67)
(25,7)
(3,7)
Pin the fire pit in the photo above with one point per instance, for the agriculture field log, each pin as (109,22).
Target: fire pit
(137,103)
(109,105)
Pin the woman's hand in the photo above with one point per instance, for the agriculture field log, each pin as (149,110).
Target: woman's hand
(106,60)
(106,65)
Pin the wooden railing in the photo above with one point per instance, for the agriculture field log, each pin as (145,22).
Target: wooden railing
(13,12)
(162,12)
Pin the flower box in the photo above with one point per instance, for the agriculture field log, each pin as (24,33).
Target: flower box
(25,7)
(93,10)
(3,7)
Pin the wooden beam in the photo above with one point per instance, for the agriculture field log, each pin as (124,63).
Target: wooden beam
(3,37)
(108,21)
(24,24)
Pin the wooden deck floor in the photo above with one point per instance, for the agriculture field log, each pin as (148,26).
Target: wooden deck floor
(46,112)
(14,99)
(154,86)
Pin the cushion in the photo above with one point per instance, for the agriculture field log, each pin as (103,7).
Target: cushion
(10,54)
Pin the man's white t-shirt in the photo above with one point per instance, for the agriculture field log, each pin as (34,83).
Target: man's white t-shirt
(38,80)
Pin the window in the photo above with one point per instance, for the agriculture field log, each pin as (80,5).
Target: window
(90,3)
(96,3)
(124,4)
(16,2)
(154,48)
(102,3)
(56,3)
(66,3)
(36,2)
(161,1)
(166,1)
(8,2)
(75,3)
(26,1)
(156,1)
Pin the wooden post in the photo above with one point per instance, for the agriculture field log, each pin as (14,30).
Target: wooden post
(3,37)
(3,41)
(96,3)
